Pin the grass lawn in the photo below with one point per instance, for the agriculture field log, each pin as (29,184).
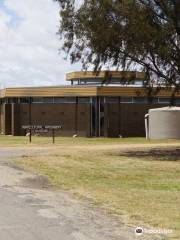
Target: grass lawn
(38,141)
(140,184)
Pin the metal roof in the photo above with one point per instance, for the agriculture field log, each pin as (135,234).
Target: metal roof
(74,76)
(80,91)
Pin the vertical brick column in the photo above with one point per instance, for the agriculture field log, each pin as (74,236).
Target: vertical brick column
(7,119)
(15,122)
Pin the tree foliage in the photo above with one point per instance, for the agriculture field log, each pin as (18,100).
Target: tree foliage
(124,34)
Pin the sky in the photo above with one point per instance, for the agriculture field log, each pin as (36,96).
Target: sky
(29,44)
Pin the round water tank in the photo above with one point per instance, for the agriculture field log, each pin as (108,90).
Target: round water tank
(164,123)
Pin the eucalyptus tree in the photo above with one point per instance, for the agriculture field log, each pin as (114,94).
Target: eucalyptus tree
(126,34)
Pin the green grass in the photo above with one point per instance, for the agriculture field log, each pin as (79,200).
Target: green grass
(37,140)
(141,190)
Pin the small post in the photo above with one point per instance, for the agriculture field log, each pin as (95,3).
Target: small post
(53,135)
(30,120)
(30,135)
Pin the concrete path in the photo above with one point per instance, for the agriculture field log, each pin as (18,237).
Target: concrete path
(30,209)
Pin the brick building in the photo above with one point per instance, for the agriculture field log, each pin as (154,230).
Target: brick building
(107,104)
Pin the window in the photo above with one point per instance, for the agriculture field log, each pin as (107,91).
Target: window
(65,100)
(140,100)
(112,100)
(11,100)
(164,100)
(126,99)
(177,100)
(154,100)
(84,100)
(138,82)
(48,100)
(37,100)
(24,100)
(5,100)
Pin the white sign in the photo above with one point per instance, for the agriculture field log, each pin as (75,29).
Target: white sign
(41,127)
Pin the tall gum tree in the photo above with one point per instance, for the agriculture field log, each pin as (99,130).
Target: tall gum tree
(125,34)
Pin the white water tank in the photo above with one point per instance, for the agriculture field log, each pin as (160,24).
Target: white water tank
(164,123)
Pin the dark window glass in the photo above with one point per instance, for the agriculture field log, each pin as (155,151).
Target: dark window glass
(140,100)
(48,100)
(6,100)
(84,100)
(65,100)
(126,99)
(24,100)
(153,100)
(37,100)
(3,100)
(164,100)
(9,100)
(57,100)
(112,100)
(177,100)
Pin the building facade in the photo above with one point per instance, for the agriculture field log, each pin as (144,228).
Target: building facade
(100,104)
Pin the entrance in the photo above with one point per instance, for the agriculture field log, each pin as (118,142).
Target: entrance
(101,117)
(97,117)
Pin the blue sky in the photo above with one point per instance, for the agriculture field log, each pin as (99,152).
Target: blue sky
(15,19)
(29,44)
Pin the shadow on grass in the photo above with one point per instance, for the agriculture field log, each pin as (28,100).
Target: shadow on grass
(167,154)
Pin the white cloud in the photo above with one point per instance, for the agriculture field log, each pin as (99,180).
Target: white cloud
(29,44)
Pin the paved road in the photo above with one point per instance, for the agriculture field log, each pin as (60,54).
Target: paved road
(31,210)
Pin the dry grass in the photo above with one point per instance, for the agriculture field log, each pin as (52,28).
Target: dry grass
(47,141)
(141,185)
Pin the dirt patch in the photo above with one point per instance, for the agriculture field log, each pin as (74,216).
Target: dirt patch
(37,182)
(166,154)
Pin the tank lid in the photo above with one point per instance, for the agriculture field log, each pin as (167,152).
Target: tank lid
(165,109)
